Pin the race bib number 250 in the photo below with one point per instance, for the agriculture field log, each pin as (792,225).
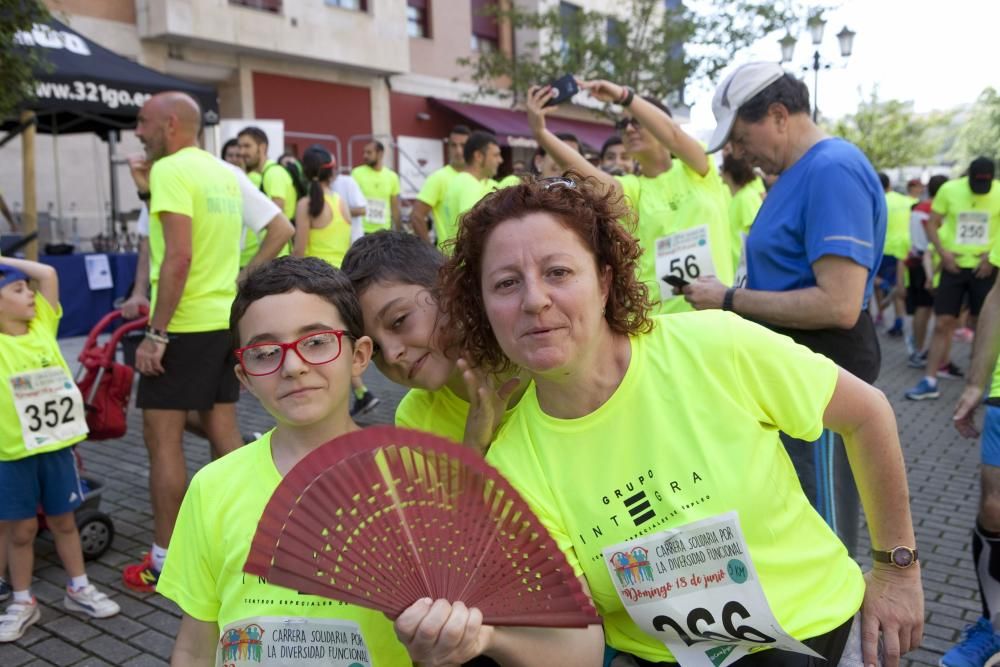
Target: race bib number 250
(696,590)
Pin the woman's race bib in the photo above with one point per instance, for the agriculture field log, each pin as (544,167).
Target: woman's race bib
(274,641)
(49,407)
(695,589)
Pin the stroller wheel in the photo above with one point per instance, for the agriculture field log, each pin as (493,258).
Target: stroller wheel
(96,533)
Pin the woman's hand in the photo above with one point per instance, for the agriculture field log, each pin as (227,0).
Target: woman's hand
(603,91)
(536,109)
(487,404)
(439,633)
(894,606)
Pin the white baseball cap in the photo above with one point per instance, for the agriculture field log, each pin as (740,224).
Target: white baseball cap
(737,89)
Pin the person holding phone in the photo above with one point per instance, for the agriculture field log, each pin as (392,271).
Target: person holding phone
(682,203)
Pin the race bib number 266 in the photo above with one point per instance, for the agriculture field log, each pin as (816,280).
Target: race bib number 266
(696,590)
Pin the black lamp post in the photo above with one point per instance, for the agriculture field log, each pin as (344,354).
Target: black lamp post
(816,24)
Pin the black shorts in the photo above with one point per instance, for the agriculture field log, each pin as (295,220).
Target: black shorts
(954,287)
(198,373)
(917,294)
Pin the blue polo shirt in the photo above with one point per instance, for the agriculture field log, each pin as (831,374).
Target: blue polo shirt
(830,202)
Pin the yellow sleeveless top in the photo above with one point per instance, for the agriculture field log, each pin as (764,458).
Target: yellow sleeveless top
(330,243)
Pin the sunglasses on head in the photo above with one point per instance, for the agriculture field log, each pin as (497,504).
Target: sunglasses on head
(623,123)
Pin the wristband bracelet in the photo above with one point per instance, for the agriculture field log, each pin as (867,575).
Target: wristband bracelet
(727,300)
(629,96)
(157,335)
(143,196)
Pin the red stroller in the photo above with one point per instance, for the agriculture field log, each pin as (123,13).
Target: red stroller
(106,386)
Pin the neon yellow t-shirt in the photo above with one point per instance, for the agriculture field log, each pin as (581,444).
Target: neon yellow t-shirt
(378,187)
(743,207)
(439,412)
(330,243)
(673,201)
(204,570)
(956,200)
(691,450)
(194,183)
(432,193)
(33,351)
(464,192)
(508,181)
(277,183)
(897,233)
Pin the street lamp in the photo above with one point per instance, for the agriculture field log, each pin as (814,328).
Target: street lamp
(815,24)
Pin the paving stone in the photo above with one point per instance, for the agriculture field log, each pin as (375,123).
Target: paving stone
(154,643)
(71,629)
(111,649)
(145,661)
(57,652)
(12,655)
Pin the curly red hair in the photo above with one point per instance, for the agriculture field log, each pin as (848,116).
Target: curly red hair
(599,218)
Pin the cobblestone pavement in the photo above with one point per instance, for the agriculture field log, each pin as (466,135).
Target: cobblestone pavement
(943,483)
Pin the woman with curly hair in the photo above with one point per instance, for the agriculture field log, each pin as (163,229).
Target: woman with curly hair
(649,449)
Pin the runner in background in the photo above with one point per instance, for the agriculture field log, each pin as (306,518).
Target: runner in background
(747,190)
(921,270)
(38,470)
(396,278)
(380,186)
(324,231)
(431,196)
(271,178)
(185,359)
(896,249)
(811,255)
(545,165)
(230,617)
(349,191)
(482,160)
(615,160)
(232,154)
(964,223)
(682,204)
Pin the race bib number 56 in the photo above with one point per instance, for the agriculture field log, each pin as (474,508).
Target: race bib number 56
(49,407)
(686,255)
(696,590)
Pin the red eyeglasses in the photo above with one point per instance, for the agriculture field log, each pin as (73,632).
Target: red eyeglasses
(315,349)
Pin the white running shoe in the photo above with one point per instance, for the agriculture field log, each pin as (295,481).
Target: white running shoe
(90,601)
(18,617)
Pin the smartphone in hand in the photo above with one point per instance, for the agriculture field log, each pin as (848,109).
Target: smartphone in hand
(565,87)
(674,281)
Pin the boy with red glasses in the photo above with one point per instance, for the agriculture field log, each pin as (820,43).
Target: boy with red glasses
(298,330)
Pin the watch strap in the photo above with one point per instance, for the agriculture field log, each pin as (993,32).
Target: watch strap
(880,556)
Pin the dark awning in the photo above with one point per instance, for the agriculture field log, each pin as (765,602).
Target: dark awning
(511,127)
(88,88)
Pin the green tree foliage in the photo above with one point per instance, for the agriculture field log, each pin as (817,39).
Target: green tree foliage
(980,132)
(652,48)
(17,64)
(890,134)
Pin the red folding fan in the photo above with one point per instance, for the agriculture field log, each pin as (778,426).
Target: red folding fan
(383,517)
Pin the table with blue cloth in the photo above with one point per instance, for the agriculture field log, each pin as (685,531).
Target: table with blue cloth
(83,307)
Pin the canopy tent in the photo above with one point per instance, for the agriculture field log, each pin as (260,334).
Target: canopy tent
(83,87)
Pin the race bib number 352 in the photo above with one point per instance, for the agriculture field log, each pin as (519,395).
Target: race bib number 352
(49,407)
(696,590)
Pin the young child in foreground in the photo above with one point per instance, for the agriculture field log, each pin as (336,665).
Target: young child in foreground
(41,419)
(300,340)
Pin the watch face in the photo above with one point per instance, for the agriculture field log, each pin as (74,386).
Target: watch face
(902,557)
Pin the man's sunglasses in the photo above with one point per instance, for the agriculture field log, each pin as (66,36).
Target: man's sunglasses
(623,123)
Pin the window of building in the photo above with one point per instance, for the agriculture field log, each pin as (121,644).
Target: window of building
(569,23)
(417,18)
(357,5)
(485,31)
(616,37)
(273,6)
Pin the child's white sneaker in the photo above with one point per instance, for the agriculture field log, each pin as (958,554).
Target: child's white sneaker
(90,601)
(18,617)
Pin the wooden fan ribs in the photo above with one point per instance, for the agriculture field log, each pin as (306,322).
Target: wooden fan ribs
(384,517)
